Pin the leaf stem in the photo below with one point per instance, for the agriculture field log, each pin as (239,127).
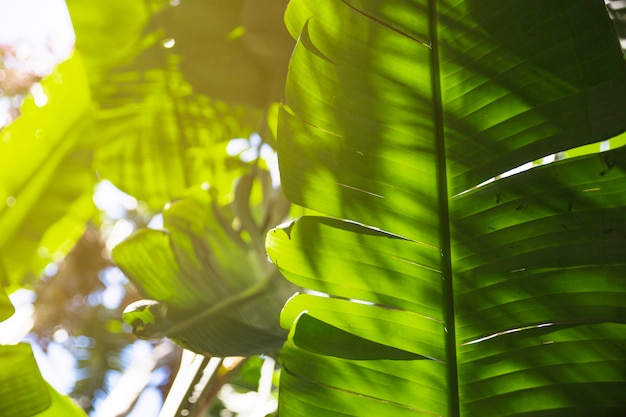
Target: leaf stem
(444,219)
(245,296)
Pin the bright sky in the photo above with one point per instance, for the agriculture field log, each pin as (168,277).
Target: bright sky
(39,30)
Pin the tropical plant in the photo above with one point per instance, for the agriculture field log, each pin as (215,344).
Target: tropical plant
(211,287)
(44,154)
(449,286)
(129,108)
(436,281)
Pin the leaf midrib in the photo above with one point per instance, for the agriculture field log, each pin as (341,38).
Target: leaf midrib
(444,218)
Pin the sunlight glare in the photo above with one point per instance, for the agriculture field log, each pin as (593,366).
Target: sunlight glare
(41,99)
(44,38)
(169,43)
(120,231)
(16,327)
(114,202)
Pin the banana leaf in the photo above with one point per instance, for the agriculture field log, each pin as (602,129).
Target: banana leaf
(46,180)
(440,284)
(164,115)
(6,307)
(24,393)
(207,286)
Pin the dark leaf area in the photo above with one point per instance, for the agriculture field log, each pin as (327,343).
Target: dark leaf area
(235,51)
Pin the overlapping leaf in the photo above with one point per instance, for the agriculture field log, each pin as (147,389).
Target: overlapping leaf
(223,298)
(23,392)
(174,84)
(510,294)
(6,307)
(45,174)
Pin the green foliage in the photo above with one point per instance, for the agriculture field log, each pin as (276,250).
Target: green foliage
(215,292)
(155,134)
(23,392)
(45,175)
(6,308)
(164,115)
(449,296)
(451,287)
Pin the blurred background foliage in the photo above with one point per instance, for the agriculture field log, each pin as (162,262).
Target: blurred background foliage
(156,97)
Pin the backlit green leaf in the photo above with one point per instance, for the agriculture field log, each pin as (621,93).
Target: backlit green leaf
(24,393)
(6,307)
(45,174)
(404,118)
(215,292)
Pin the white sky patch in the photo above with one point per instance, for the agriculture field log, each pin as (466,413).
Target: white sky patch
(482,339)
(39,31)
(120,231)
(254,403)
(16,327)
(271,159)
(249,149)
(35,36)
(521,168)
(39,96)
(57,366)
(317,293)
(148,404)
(246,149)
(114,280)
(114,202)
(156,222)
(368,303)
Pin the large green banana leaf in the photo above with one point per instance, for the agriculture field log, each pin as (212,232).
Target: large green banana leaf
(445,297)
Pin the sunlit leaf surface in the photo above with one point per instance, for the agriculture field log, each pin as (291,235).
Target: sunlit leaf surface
(45,174)
(216,293)
(510,295)
(23,392)
(174,84)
